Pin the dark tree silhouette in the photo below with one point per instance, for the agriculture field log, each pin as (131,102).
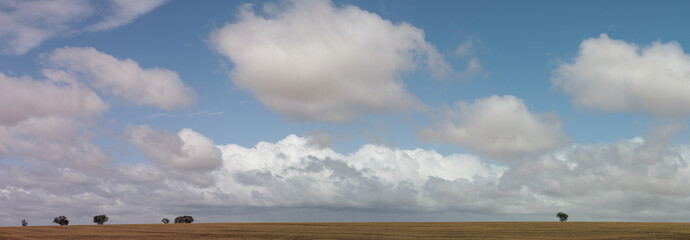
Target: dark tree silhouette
(184,219)
(24,223)
(165,220)
(562,216)
(100,219)
(62,220)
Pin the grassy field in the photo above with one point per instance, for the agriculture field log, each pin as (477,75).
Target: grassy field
(455,230)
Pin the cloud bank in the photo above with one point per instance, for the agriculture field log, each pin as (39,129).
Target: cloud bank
(631,179)
(314,61)
(616,76)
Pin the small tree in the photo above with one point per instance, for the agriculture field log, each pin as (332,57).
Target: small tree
(562,216)
(24,223)
(62,220)
(184,219)
(165,221)
(100,219)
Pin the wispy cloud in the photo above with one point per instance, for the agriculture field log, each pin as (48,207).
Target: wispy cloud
(158,115)
(27,24)
(207,113)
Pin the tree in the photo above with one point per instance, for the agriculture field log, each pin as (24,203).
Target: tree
(184,219)
(100,219)
(165,220)
(62,220)
(562,216)
(24,223)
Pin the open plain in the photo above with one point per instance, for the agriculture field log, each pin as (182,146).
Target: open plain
(397,230)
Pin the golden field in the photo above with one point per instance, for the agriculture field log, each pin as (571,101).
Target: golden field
(425,230)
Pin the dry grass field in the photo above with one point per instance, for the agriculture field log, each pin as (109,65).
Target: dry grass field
(455,230)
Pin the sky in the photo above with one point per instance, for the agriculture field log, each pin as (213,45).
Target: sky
(328,111)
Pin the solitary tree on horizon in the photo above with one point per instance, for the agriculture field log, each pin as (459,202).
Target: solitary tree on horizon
(62,220)
(165,221)
(100,219)
(24,223)
(562,216)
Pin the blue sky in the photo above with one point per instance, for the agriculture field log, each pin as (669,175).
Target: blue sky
(344,110)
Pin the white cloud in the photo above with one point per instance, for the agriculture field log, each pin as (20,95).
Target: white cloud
(47,122)
(26,24)
(294,172)
(25,97)
(314,61)
(157,87)
(51,122)
(615,76)
(185,150)
(496,126)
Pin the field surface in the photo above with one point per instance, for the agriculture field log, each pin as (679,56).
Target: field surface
(435,230)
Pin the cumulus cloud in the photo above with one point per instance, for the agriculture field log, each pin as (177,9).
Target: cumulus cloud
(616,76)
(50,123)
(294,172)
(26,24)
(53,121)
(59,141)
(499,126)
(25,97)
(157,87)
(314,61)
(47,121)
(185,150)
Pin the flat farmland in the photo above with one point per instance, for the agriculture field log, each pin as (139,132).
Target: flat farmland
(424,230)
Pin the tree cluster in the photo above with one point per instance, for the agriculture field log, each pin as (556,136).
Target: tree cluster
(184,219)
